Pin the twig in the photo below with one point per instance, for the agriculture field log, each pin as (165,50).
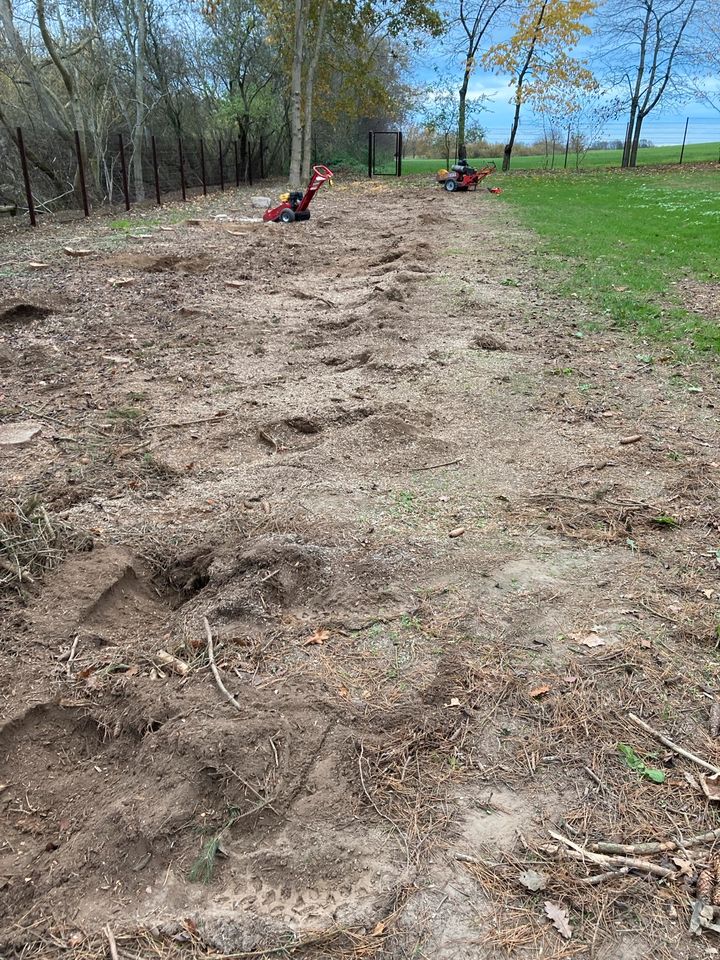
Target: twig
(263,800)
(595,778)
(111,943)
(673,746)
(661,846)
(581,853)
(213,666)
(602,877)
(436,466)
(185,423)
(657,613)
(375,807)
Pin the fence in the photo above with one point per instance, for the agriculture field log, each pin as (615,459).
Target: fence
(118,174)
(561,143)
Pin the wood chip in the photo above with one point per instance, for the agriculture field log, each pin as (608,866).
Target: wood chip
(77,252)
(457,532)
(236,284)
(634,438)
(36,265)
(173,663)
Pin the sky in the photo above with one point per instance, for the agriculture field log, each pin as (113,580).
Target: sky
(665,126)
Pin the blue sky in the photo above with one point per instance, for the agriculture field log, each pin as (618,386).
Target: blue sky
(665,126)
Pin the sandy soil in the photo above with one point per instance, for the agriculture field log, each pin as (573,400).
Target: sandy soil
(447,533)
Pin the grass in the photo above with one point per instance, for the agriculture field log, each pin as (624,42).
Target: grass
(694,153)
(621,242)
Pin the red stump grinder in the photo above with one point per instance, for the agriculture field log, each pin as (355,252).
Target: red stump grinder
(464,177)
(294,206)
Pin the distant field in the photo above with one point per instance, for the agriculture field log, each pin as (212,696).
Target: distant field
(694,153)
(627,243)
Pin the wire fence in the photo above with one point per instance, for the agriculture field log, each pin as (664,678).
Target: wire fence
(72,174)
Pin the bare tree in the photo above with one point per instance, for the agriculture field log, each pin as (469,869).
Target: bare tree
(650,41)
(475,18)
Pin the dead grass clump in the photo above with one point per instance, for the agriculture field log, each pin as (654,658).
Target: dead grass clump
(30,543)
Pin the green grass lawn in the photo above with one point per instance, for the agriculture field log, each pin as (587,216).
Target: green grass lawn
(694,153)
(620,240)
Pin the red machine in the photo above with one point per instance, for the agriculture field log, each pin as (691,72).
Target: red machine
(462,177)
(294,206)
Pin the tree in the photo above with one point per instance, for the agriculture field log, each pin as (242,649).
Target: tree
(441,117)
(536,56)
(650,39)
(475,17)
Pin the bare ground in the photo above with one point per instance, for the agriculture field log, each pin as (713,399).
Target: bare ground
(446,539)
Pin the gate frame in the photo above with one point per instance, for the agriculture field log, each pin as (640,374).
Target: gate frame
(398,152)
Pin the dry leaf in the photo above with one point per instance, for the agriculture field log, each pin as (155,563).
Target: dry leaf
(559,917)
(540,691)
(76,252)
(120,281)
(533,880)
(318,638)
(685,867)
(378,929)
(691,780)
(711,786)
(592,640)
(454,702)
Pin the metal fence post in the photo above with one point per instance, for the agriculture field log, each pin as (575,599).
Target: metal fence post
(123,171)
(222,171)
(26,178)
(182,168)
(237,163)
(370,152)
(399,156)
(682,149)
(202,167)
(81,174)
(262,157)
(156,171)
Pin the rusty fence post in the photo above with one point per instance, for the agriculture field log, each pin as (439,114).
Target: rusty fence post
(81,174)
(222,171)
(123,171)
(26,178)
(202,167)
(182,168)
(155,170)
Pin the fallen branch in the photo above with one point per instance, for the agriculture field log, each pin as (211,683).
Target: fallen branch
(602,877)
(581,853)
(661,846)
(673,746)
(213,666)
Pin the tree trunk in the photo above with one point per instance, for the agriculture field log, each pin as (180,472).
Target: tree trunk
(309,84)
(137,134)
(296,139)
(507,152)
(462,111)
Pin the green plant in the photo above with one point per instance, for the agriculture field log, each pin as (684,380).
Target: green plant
(637,764)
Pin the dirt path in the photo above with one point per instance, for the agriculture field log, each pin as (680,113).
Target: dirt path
(446,536)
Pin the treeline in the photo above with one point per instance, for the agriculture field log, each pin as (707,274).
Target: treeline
(297,77)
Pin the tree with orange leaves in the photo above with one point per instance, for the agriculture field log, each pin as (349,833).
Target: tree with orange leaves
(537,56)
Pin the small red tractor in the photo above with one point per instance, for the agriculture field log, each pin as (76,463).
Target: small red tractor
(294,205)
(464,177)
